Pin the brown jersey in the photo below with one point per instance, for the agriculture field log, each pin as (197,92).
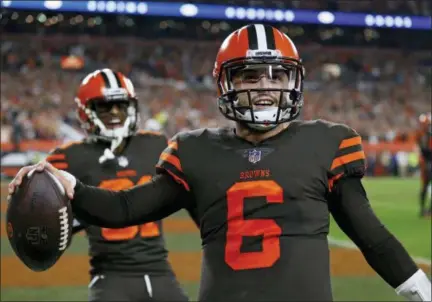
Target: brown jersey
(263,207)
(130,250)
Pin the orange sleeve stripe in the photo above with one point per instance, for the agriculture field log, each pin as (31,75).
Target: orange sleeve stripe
(179,179)
(332,180)
(350,142)
(55,157)
(64,146)
(173,145)
(345,159)
(173,160)
(60,166)
(141,131)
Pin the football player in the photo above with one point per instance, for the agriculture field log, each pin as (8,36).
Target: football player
(424,141)
(127,264)
(264,189)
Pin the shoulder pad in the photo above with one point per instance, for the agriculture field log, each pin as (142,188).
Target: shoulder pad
(194,133)
(65,147)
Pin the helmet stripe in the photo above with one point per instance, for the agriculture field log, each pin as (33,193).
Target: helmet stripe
(271,43)
(105,79)
(117,76)
(252,37)
(109,78)
(261,36)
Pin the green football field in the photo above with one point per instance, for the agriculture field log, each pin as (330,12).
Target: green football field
(394,201)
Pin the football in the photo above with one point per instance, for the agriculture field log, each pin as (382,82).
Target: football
(39,221)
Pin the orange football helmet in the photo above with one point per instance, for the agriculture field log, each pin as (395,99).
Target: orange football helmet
(106,85)
(259,46)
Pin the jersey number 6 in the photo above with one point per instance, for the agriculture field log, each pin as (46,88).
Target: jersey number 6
(238,227)
(146,230)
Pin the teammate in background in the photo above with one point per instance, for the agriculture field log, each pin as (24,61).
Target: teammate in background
(128,264)
(264,189)
(424,141)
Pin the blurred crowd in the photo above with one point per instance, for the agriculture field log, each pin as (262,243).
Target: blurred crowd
(378,92)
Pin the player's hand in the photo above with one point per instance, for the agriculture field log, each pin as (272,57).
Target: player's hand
(67,180)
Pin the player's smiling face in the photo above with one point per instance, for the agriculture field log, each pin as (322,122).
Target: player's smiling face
(265,77)
(112,114)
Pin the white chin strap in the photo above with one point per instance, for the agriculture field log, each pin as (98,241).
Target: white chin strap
(262,116)
(117,136)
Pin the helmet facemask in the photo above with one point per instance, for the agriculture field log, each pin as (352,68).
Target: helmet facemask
(261,92)
(96,111)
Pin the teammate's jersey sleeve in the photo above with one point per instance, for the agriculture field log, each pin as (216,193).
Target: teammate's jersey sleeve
(57,158)
(61,157)
(170,162)
(349,158)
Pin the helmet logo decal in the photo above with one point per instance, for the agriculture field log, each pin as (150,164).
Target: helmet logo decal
(263,53)
(115,93)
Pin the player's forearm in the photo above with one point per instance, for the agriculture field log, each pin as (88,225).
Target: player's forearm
(390,260)
(151,201)
(384,253)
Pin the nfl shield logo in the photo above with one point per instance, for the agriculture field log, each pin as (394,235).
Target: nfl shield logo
(254,156)
(123,161)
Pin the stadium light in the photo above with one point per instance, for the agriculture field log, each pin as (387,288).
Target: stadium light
(223,12)
(269,15)
(189,10)
(379,20)
(53,4)
(131,7)
(121,7)
(289,16)
(389,21)
(240,13)
(251,13)
(398,21)
(230,12)
(326,17)
(141,8)
(111,6)
(278,15)
(370,20)
(101,6)
(92,6)
(6,3)
(407,22)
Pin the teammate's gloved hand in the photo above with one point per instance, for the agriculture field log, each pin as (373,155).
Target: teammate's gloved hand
(67,180)
(416,288)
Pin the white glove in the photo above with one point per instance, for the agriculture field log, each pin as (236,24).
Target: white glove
(416,288)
